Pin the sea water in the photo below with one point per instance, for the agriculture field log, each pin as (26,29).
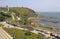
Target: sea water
(52,16)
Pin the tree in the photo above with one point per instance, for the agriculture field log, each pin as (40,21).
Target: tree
(4,16)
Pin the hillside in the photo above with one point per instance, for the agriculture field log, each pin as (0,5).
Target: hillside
(19,15)
(20,11)
(23,11)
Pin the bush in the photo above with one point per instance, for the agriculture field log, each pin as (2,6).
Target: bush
(1,25)
(4,16)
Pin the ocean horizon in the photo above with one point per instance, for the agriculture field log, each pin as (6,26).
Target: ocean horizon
(50,14)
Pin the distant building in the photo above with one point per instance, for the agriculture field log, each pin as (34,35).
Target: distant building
(7,7)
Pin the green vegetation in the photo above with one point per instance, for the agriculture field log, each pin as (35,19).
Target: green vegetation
(42,16)
(23,11)
(21,34)
(24,19)
(1,25)
(47,28)
(4,16)
(2,8)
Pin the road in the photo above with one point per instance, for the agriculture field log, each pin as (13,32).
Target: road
(36,30)
(3,34)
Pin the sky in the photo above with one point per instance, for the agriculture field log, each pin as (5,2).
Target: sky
(37,5)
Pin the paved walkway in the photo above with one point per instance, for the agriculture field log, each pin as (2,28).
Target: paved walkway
(4,35)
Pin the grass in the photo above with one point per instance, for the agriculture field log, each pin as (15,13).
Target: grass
(20,34)
(1,25)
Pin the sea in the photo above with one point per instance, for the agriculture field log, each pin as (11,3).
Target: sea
(56,14)
(53,17)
